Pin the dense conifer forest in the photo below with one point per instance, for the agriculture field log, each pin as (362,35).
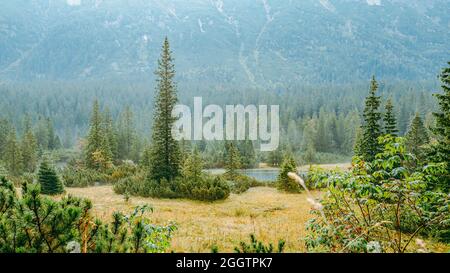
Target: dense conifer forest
(91,165)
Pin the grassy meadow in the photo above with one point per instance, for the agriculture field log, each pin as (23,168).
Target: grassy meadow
(269,214)
(264,211)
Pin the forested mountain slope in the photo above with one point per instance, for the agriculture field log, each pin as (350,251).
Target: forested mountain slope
(262,43)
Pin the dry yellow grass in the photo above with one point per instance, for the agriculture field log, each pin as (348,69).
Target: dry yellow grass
(264,211)
(269,214)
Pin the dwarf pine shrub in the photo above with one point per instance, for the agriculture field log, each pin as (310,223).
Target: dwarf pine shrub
(33,223)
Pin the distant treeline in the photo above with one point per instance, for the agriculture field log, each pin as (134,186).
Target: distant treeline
(324,117)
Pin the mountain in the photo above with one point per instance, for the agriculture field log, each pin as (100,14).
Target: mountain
(263,43)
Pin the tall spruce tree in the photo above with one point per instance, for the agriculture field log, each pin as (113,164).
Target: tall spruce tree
(440,151)
(165,151)
(389,120)
(97,151)
(29,147)
(416,137)
(49,180)
(371,126)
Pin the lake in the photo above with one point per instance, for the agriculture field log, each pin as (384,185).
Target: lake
(264,175)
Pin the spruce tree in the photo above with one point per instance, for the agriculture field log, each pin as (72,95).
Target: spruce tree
(336,127)
(389,120)
(165,151)
(13,154)
(193,166)
(247,152)
(42,133)
(185,150)
(358,145)
(232,160)
(416,137)
(5,129)
(284,183)
(29,147)
(126,134)
(440,151)
(53,140)
(104,156)
(371,126)
(323,139)
(309,141)
(110,135)
(352,131)
(49,180)
(68,141)
(404,117)
(97,151)
(275,157)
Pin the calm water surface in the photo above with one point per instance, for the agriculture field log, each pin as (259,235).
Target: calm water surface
(259,174)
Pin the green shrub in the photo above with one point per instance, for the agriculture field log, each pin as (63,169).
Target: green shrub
(317,178)
(29,178)
(81,177)
(34,223)
(133,185)
(380,206)
(241,183)
(208,188)
(191,184)
(124,170)
(3,171)
(256,246)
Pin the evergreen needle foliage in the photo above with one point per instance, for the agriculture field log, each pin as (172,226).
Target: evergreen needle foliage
(416,138)
(383,203)
(165,151)
(284,183)
(49,180)
(98,150)
(233,161)
(390,122)
(440,151)
(256,246)
(371,128)
(32,223)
